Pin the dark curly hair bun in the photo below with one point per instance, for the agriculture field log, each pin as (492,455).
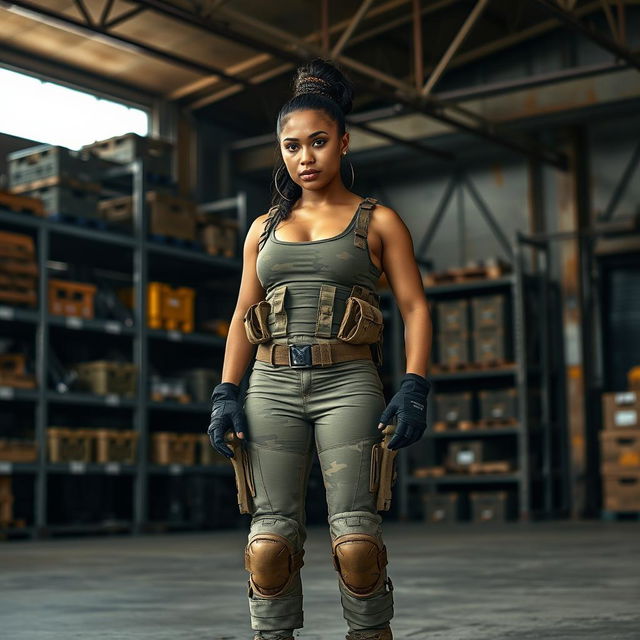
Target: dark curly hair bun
(322,77)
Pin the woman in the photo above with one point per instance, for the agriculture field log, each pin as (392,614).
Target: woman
(307,298)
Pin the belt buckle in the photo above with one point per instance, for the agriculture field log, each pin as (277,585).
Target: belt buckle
(300,356)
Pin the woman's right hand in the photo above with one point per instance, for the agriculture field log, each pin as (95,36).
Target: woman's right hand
(226,413)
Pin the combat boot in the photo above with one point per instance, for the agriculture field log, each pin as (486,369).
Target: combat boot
(370,634)
(259,636)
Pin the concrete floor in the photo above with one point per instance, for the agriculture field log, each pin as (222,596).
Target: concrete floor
(561,580)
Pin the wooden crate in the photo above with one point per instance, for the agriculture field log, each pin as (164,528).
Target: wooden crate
(169,215)
(491,506)
(70,445)
(164,388)
(68,196)
(18,450)
(620,449)
(621,490)
(71,298)
(200,383)
(173,448)
(21,204)
(440,507)
(18,267)
(498,403)
(491,268)
(50,161)
(18,289)
(461,454)
(476,456)
(453,407)
(17,245)
(489,312)
(158,154)
(116,445)
(429,472)
(621,410)
(490,346)
(453,348)
(453,315)
(103,377)
(13,372)
(219,237)
(6,501)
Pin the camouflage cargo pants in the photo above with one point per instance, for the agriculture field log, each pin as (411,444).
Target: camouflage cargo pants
(291,411)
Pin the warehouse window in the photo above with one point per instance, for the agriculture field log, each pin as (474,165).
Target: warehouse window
(53,114)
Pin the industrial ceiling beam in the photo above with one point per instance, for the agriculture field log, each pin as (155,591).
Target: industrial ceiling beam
(401,92)
(621,52)
(453,47)
(351,27)
(461,59)
(41,14)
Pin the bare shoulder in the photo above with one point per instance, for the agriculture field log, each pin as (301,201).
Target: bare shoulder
(386,221)
(257,227)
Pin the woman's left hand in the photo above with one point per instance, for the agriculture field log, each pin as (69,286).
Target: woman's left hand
(410,406)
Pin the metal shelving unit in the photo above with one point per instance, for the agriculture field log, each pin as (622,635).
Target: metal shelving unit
(130,178)
(535,477)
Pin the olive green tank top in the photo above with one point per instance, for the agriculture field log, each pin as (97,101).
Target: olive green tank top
(307,283)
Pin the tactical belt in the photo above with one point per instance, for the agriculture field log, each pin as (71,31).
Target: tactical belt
(312,355)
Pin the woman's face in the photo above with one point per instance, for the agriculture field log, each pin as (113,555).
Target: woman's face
(309,141)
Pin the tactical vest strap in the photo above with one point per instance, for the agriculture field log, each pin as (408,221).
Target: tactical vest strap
(366,294)
(362,222)
(324,318)
(279,312)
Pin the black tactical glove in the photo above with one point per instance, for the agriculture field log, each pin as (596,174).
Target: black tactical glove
(410,405)
(226,413)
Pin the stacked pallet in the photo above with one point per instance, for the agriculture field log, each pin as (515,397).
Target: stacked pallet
(157,154)
(476,456)
(472,334)
(170,217)
(66,181)
(477,506)
(186,449)
(92,445)
(104,377)
(453,333)
(18,450)
(21,204)
(18,269)
(455,411)
(620,448)
(488,269)
(218,235)
(13,372)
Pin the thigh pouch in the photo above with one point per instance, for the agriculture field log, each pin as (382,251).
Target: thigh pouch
(383,470)
(242,471)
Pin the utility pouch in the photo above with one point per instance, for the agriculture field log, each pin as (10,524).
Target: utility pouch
(255,322)
(361,323)
(242,470)
(383,470)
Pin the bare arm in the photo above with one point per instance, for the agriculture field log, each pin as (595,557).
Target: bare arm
(238,350)
(401,269)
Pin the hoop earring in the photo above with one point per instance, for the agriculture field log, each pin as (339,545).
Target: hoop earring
(352,174)
(275,182)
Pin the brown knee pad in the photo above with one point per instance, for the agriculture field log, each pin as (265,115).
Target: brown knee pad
(360,560)
(272,563)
